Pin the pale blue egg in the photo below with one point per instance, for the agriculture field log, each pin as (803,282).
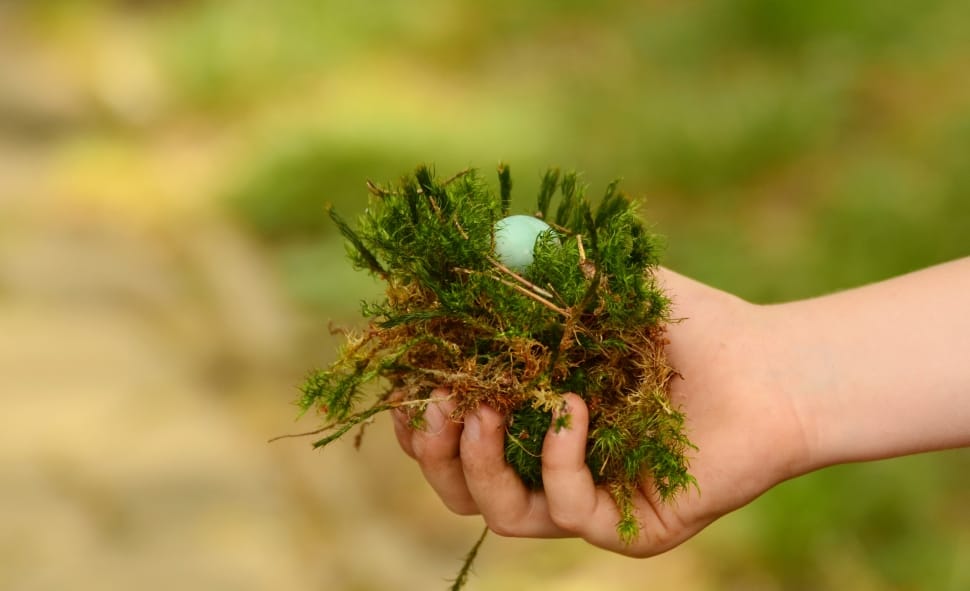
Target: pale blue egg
(515,240)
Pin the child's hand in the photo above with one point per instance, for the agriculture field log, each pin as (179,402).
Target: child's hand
(769,392)
(748,435)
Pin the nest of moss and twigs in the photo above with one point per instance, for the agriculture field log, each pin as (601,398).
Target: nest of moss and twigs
(586,316)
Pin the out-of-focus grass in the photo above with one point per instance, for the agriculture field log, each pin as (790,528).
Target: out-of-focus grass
(785,148)
(888,517)
(284,196)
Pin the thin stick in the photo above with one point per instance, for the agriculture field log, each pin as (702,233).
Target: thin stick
(585,265)
(461,230)
(519,278)
(519,288)
(466,566)
(534,296)
(376,190)
(455,177)
(555,226)
(519,443)
(368,413)
(582,251)
(304,434)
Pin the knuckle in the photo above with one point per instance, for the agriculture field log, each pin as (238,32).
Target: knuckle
(428,451)
(463,508)
(501,527)
(552,466)
(565,519)
(659,540)
(420,448)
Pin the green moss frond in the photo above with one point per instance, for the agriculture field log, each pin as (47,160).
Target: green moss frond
(547,189)
(359,254)
(628,526)
(505,187)
(607,446)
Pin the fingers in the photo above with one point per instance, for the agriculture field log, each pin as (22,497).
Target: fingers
(509,508)
(402,430)
(575,503)
(467,468)
(564,472)
(403,433)
(435,447)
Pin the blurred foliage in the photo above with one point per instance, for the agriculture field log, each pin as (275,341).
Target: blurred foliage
(890,525)
(283,197)
(785,148)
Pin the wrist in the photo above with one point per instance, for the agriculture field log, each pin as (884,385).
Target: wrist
(789,423)
(796,373)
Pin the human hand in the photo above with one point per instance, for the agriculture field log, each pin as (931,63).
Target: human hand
(747,429)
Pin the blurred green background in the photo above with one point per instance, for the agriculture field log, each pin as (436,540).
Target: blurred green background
(167,273)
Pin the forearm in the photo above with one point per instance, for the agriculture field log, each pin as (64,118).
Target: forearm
(878,371)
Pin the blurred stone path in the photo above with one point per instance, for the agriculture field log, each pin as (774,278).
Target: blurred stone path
(142,368)
(141,371)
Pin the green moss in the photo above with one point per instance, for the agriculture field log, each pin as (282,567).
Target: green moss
(586,317)
(523,443)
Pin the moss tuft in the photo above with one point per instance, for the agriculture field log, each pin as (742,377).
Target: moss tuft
(586,317)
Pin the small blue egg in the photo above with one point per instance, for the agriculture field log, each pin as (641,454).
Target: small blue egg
(515,240)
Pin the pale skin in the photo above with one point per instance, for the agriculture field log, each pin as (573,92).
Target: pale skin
(770,393)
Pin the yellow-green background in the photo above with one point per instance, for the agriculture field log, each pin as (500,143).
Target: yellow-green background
(167,274)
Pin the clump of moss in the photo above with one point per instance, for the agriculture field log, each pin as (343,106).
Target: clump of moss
(586,317)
